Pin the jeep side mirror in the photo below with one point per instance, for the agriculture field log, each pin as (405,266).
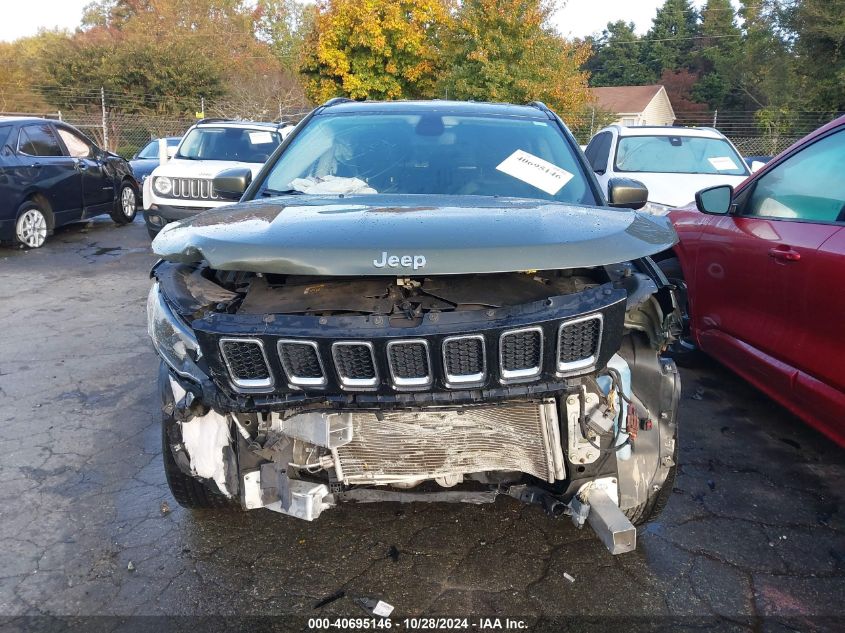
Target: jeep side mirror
(626,193)
(231,183)
(715,200)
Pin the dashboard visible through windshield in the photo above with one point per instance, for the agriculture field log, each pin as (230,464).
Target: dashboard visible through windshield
(431,153)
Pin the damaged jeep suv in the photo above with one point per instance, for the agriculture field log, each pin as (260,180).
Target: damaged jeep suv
(420,301)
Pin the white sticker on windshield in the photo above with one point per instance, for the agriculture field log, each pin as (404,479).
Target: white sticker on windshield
(260,138)
(535,171)
(722,163)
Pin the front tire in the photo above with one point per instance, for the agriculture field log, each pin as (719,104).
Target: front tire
(126,205)
(188,491)
(655,504)
(31,227)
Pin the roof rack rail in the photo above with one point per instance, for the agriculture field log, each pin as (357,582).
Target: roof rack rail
(538,104)
(336,101)
(213,120)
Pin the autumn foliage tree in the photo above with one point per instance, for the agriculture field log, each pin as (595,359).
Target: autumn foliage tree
(375,49)
(506,50)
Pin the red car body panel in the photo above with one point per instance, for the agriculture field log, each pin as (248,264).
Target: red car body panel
(766,298)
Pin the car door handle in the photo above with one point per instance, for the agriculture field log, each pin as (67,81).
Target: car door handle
(80,165)
(785,254)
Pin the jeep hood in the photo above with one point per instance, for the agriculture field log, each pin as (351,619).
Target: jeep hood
(410,235)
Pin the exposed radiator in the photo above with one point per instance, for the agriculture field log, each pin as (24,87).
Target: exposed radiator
(403,447)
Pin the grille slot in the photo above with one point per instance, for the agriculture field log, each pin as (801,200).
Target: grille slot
(302,363)
(578,343)
(409,363)
(193,189)
(521,354)
(355,364)
(247,363)
(465,360)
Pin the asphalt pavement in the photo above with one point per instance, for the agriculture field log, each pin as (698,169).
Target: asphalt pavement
(753,537)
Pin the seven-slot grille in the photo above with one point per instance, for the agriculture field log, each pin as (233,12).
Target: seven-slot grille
(578,343)
(193,189)
(246,362)
(521,353)
(302,364)
(355,364)
(461,359)
(409,363)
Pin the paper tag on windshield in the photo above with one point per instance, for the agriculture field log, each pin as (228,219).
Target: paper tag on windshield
(722,163)
(260,138)
(535,171)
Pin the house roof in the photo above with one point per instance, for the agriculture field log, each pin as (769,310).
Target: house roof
(625,99)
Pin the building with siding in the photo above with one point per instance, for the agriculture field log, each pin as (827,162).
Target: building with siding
(636,105)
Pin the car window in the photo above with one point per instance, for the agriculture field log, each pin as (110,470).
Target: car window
(678,155)
(432,153)
(227,143)
(150,150)
(806,186)
(6,140)
(598,151)
(76,145)
(39,140)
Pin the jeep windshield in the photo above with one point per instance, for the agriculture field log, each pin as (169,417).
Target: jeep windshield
(431,153)
(229,143)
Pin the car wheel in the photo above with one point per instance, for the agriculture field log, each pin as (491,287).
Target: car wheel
(126,205)
(684,351)
(31,226)
(656,503)
(188,491)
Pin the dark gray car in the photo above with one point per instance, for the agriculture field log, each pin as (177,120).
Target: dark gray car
(420,301)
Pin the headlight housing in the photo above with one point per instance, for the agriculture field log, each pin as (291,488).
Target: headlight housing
(173,340)
(655,208)
(162,185)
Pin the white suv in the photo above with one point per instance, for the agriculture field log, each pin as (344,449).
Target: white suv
(673,162)
(182,186)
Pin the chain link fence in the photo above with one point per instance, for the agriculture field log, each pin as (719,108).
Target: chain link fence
(126,133)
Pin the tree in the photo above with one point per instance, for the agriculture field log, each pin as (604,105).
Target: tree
(283,24)
(617,58)
(818,30)
(145,75)
(717,53)
(765,69)
(506,50)
(374,49)
(670,39)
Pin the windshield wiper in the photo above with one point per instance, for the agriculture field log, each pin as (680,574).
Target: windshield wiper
(267,193)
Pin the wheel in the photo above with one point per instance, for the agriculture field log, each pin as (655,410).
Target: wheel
(31,225)
(684,351)
(188,491)
(126,205)
(655,504)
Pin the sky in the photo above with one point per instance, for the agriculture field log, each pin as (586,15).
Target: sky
(577,19)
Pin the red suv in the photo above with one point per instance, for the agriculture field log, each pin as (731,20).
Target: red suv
(764,268)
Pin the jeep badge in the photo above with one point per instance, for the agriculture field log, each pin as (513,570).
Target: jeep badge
(405,261)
